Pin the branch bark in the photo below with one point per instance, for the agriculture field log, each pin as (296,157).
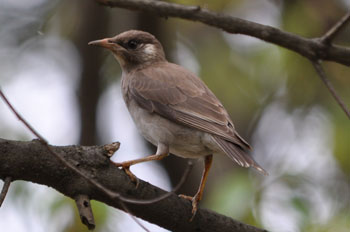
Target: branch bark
(85,211)
(31,161)
(313,48)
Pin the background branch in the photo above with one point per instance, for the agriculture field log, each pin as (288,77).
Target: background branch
(313,49)
(336,29)
(321,73)
(30,161)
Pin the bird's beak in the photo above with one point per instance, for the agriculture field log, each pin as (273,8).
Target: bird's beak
(102,43)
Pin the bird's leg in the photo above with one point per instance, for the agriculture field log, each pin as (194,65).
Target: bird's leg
(162,151)
(195,200)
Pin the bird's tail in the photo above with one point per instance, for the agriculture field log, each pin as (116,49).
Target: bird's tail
(238,154)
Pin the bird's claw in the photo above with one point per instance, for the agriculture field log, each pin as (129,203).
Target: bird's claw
(186,197)
(194,201)
(126,168)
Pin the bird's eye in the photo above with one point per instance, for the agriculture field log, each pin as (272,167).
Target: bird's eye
(132,44)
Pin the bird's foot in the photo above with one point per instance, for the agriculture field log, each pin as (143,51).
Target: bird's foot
(126,167)
(194,201)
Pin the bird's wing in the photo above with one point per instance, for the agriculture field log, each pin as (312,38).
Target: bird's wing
(177,94)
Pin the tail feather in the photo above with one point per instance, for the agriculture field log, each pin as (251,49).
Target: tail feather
(238,154)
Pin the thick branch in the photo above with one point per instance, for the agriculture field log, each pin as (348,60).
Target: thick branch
(313,49)
(31,161)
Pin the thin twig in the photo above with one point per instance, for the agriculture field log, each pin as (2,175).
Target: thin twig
(135,201)
(85,212)
(132,216)
(321,73)
(166,195)
(5,189)
(336,29)
(19,117)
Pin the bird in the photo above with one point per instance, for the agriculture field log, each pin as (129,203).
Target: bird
(173,108)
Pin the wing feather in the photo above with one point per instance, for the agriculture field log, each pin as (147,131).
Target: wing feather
(237,154)
(184,98)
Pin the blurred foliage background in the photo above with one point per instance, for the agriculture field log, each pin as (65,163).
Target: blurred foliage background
(70,93)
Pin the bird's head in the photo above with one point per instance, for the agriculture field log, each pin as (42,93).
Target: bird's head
(133,49)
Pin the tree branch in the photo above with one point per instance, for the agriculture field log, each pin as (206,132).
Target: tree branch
(85,211)
(5,189)
(322,74)
(31,161)
(313,49)
(336,29)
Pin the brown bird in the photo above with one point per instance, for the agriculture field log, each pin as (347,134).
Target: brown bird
(172,108)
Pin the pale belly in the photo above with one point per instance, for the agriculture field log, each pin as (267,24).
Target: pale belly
(182,141)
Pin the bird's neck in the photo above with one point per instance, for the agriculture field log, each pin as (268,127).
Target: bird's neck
(130,68)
